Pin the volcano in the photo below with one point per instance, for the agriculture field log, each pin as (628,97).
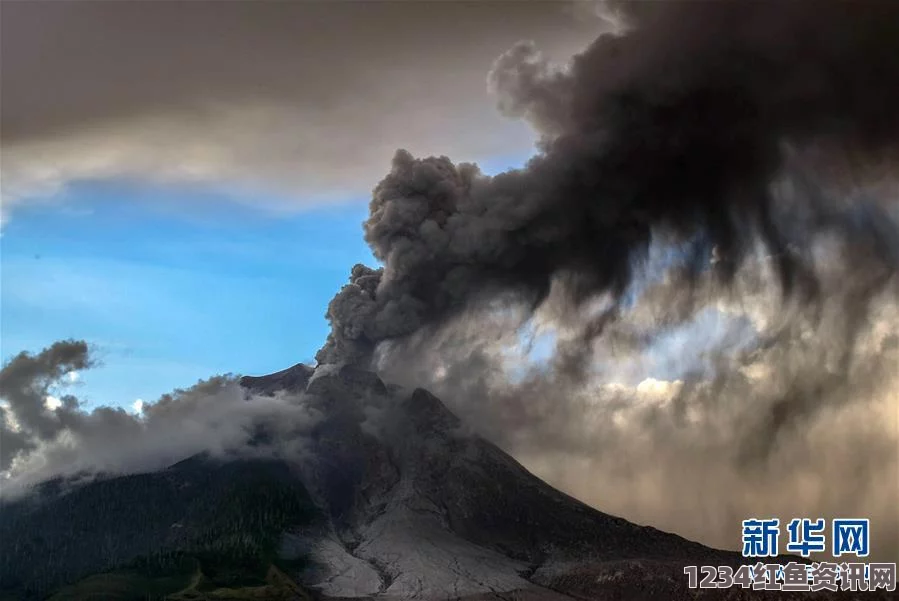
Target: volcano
(393,498)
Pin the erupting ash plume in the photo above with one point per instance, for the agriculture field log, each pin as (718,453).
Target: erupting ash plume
(709,159)
(679,128)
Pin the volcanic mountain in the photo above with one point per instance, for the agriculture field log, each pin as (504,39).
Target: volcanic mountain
(391,498)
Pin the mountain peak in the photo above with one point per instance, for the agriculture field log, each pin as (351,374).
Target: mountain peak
(340,382)
(428,412)
(292,379)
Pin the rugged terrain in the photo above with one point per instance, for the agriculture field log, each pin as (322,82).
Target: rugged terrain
(392,498)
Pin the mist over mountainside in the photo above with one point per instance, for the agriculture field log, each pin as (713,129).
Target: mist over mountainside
(392,498)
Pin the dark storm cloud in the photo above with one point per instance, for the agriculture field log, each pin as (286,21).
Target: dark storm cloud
(308,98)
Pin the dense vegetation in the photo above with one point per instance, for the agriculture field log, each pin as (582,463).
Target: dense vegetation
(201,522)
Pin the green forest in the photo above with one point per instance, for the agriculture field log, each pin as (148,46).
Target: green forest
(202,529)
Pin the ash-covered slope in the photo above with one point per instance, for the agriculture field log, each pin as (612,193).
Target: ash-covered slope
(418,507)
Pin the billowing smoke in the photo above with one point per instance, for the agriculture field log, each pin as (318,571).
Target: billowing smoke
(733,160)
(45,436)
(678,127)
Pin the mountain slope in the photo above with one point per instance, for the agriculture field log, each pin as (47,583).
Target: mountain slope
(198,514)
(419,508)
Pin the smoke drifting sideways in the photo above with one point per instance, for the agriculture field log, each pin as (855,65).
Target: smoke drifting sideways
(41,440)
(734,159)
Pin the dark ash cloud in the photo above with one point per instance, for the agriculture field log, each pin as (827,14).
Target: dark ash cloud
(679,127)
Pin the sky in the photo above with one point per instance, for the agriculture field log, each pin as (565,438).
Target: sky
(177,204)
(168,298)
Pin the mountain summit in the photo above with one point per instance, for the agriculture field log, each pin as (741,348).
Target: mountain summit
(391,498)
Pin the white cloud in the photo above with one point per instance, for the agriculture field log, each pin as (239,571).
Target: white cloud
(9,418)
(659,390)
